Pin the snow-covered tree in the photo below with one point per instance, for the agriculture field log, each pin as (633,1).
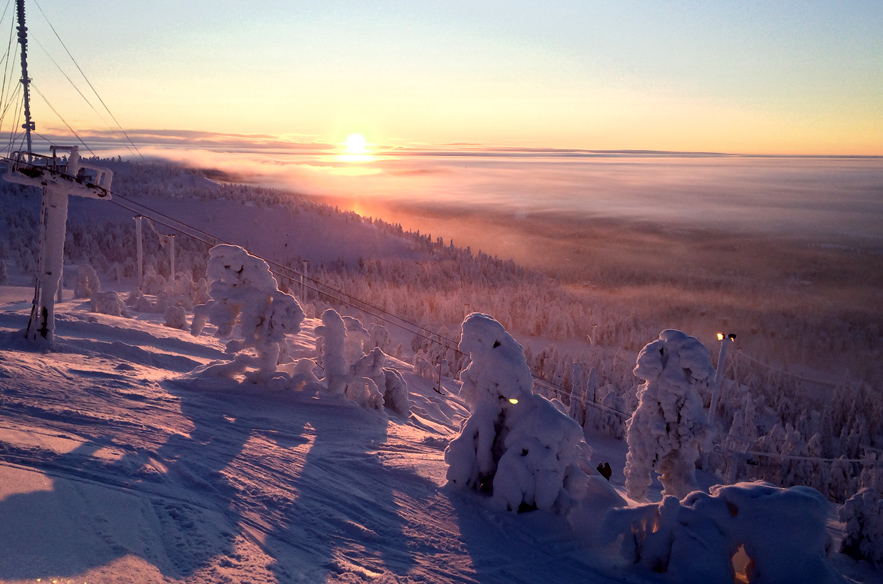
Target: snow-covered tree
(361,378)
(108,303)
(389,381)
(516,446)
(332,335)
(863,515)
(87,282)
(175,317)
(245,296)
(668,428)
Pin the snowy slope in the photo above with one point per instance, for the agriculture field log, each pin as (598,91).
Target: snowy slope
(115,467)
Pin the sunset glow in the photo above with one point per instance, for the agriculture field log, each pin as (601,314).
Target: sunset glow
(701,77)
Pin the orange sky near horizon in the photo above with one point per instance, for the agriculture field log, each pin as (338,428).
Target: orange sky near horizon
(792,79)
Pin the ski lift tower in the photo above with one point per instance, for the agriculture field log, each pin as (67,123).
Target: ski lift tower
(58,177)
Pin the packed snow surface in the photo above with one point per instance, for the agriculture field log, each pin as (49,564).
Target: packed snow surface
(116,466)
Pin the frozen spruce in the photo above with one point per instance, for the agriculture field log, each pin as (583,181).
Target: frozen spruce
(245,297)
(389,381)
(516,446)
(348,371)
(669,427)
(863,516)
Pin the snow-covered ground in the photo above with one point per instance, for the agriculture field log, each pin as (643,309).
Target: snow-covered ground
(116,467)
(119,465)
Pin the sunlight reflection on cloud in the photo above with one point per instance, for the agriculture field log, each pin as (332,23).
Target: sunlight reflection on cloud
(750,194)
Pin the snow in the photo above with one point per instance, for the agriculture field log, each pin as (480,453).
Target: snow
(695,540)
(119,464)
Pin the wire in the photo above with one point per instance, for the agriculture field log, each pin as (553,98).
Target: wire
(741,353)
(349,300)
(86,99)
(344,298)
(74,132)
(95,91)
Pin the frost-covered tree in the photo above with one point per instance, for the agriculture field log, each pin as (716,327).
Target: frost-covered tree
(361,378)
(87,282)
(332,335)
(379,337)
(108,303)
(516,446)
(245,297)
(863,515)
(669,426)
(578,387)
(389,381)
(175,317)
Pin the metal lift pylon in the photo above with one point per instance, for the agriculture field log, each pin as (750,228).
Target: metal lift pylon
(58,178)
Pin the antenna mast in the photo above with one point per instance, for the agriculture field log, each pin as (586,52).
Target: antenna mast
(25,80)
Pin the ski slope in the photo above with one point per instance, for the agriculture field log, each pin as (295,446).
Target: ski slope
(117,467)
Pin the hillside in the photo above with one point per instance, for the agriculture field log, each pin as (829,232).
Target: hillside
(118,464)
(116,467)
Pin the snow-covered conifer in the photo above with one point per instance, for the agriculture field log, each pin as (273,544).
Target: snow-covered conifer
(333,336)
(244,294)
(356,338)
(389,382)
(516,446)
(668,428)
(379,337)
(87,282)
(362,381)
(175,317)
(863,515)
(108,303)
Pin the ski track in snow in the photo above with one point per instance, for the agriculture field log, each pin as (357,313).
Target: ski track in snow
(116,468)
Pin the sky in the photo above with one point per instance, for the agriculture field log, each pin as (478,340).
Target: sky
(737,77)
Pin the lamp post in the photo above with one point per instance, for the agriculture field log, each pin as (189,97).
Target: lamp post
(726,341)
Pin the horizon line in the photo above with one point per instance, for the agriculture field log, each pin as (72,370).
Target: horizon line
(200,139)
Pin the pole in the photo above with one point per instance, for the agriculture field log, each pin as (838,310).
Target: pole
(25,80)
(172,258)
(303,274)
(138,237)
(726,341)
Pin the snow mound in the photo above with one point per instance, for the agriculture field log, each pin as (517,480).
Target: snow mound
(781,531)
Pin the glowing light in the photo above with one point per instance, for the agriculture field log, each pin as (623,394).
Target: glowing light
(356,144)
(513,401)
(720,336)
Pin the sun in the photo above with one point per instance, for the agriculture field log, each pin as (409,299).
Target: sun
(356,144)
